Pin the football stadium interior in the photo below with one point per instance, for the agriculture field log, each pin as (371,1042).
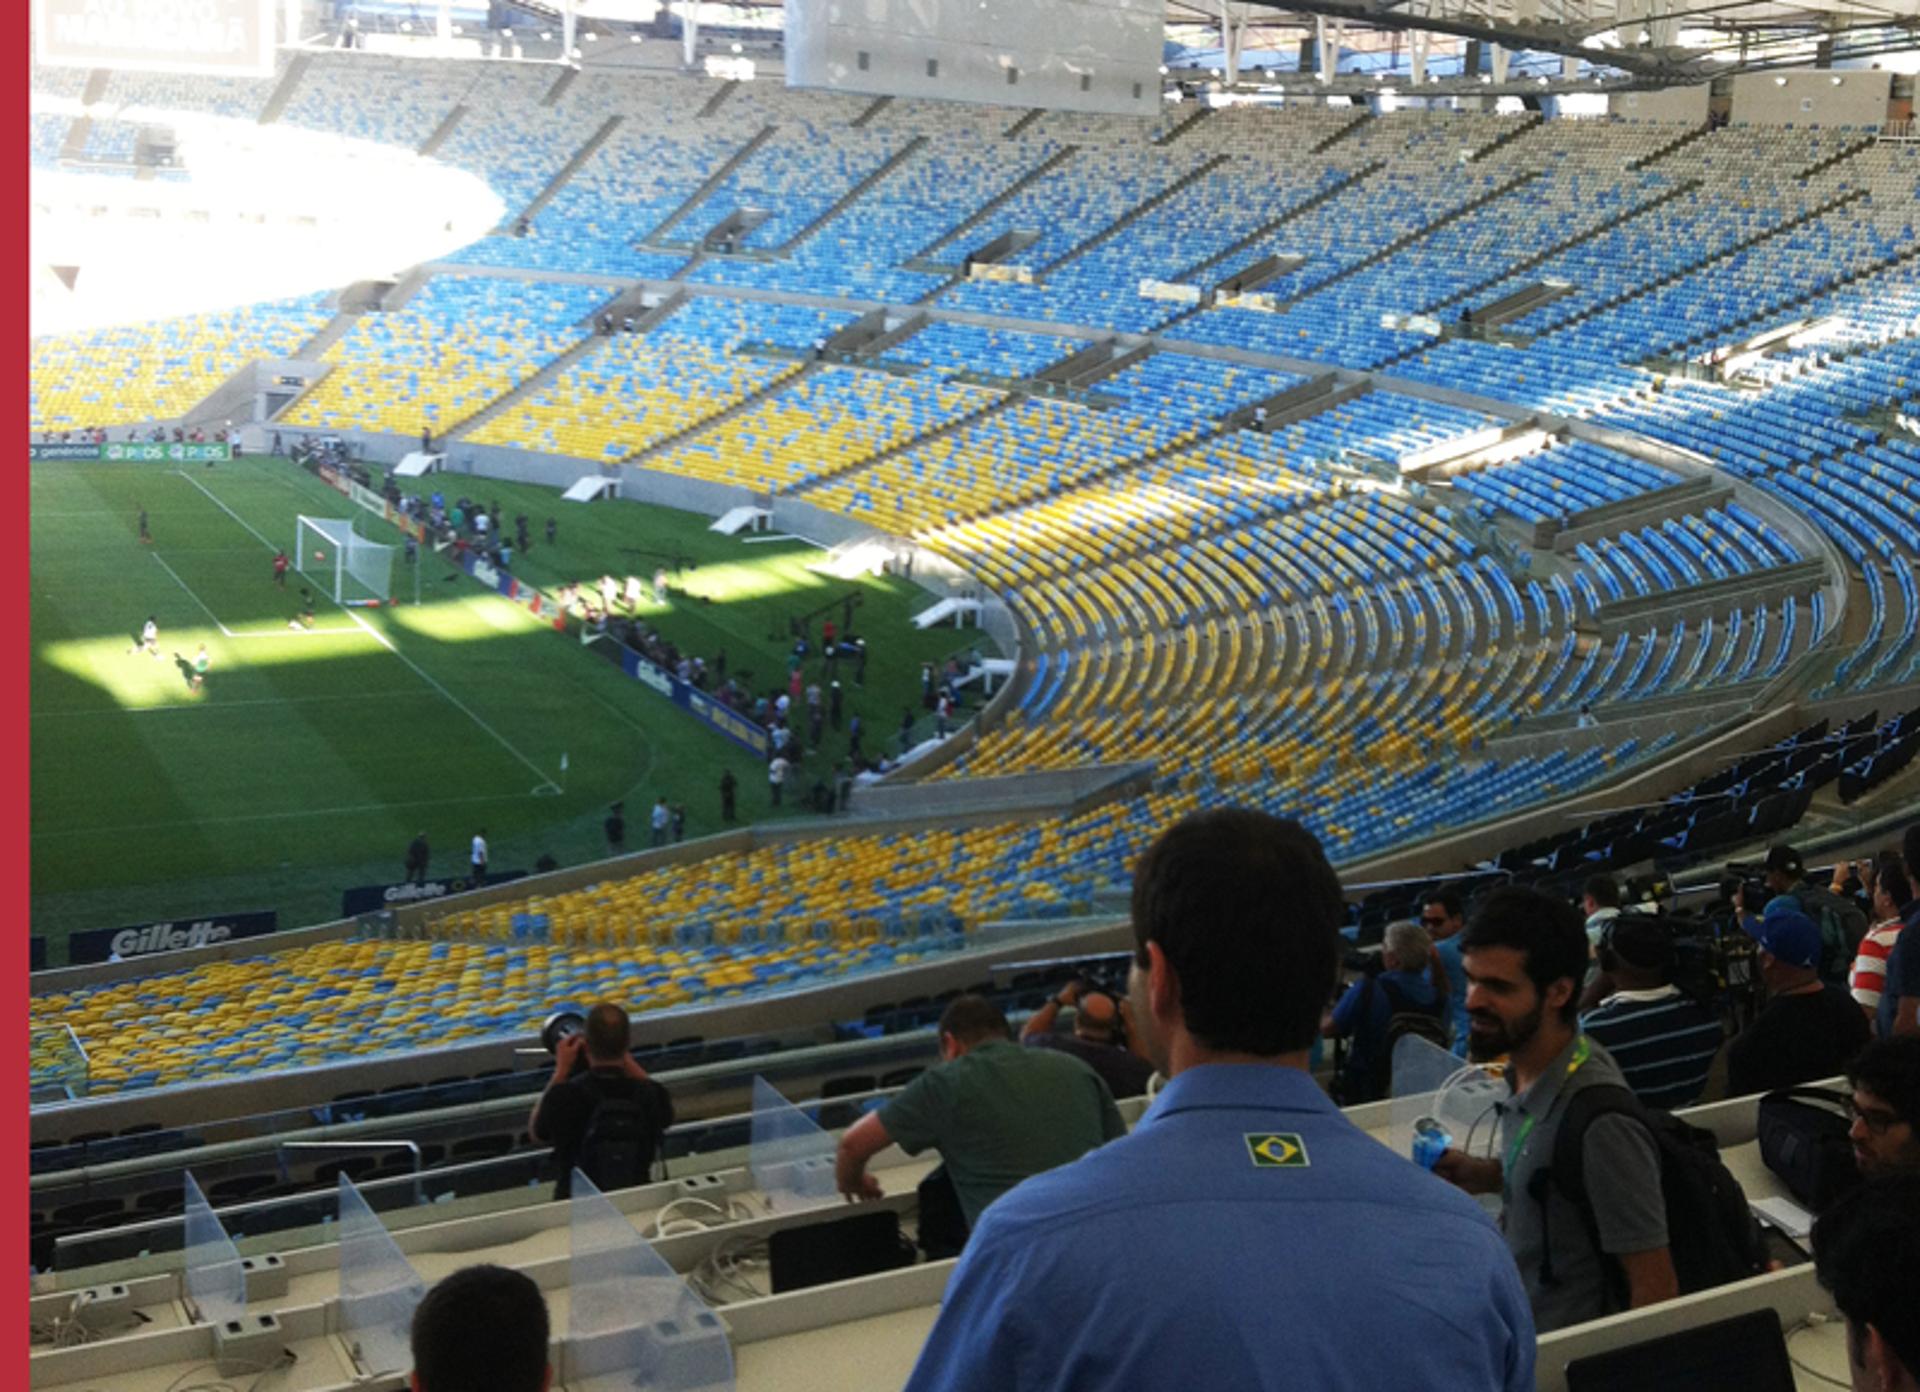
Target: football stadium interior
(761,516)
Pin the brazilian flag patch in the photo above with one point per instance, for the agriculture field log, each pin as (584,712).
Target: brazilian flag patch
(1277,1150)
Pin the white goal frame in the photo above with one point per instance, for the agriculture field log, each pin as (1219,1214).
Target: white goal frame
(352,570)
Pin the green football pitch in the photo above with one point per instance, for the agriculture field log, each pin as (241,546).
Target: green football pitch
(309,759)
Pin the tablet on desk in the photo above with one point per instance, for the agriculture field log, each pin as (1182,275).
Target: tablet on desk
(1747,1353)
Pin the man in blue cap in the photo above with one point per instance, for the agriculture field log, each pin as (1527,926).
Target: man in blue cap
(1810,1029)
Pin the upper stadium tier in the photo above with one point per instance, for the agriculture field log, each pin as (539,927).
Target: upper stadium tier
(1451,473)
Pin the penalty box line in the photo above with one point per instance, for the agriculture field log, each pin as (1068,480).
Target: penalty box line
(237,634)
(546,779)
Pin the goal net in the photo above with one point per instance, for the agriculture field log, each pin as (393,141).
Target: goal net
(348,567)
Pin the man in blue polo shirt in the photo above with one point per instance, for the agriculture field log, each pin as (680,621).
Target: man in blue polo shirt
(1232,1240)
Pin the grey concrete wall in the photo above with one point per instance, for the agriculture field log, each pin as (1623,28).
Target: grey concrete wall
(1685,105)
(1811,97)
(1057,789)
(1538,738)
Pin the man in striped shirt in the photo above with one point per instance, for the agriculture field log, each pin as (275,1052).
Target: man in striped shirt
(1891,890)
(1663,1039)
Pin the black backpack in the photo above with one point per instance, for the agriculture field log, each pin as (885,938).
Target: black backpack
(1804,1140)
(1842,925)
(616,1151)
(1406,1017)
(1711,1236)
(1409,1017)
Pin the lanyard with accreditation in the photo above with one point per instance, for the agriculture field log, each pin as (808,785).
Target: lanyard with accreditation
(1582,1051)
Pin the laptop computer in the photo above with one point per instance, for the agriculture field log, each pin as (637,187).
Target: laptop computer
(1747,1353)
(857,1245)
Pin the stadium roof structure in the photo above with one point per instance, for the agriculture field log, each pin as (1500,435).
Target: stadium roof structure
(1531,46)
(1618,43)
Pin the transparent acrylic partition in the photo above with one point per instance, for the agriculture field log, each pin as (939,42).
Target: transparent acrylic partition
(631,1321)
(1440,1101)
(57,1065)
(216,1285)
(378,1288)
(790,1157)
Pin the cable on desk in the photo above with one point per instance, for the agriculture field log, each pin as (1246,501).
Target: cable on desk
(1812,1321)
(666,1225)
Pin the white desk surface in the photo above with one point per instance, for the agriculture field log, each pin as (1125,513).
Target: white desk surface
(1819,1353)
(867,1355)
(320,1364)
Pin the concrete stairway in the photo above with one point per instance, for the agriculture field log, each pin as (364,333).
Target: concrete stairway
(1566,244)
(957,424)
(568,76)
(1000,199)
(1786,308)
(566,172)
(1407,239)
(1173,133)
(283,91)
(330,333)
(874,108)
(1844,153)
(1104,472)
(74,147)
(847,199)
(1274,224)
(1648,287)
(507,400)
(1356,124)
(727,413)
(1025,121)
(1533,122)
(711,182)
(714,102)
(1672,145)
(1135,213)
(442,132)
(96,88)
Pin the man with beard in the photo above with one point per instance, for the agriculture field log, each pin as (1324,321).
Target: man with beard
(1231,1239)
(1886,1107)
(1526,955)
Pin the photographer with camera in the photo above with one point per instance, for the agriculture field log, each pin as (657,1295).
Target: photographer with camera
(601,1113)
(1810,1028)
(1096,1038)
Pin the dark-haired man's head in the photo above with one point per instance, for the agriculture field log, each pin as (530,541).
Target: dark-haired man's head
(482,1329)
(1443,912)
(609,1033)
(1600,892)
(1886,1106)
(1784,869)
(1866,1250)
(1236,918)
(1525,953)
(968,1022)
(1637,952)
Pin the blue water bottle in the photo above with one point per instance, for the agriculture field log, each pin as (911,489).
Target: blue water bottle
(1430,1141)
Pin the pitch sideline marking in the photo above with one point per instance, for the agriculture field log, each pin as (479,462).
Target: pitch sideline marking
(192,596)
(94,829)
(546,779)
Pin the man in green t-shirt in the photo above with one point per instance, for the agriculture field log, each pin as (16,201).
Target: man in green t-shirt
(996,1112)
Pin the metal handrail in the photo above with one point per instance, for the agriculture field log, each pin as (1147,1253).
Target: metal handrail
(398,1143)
